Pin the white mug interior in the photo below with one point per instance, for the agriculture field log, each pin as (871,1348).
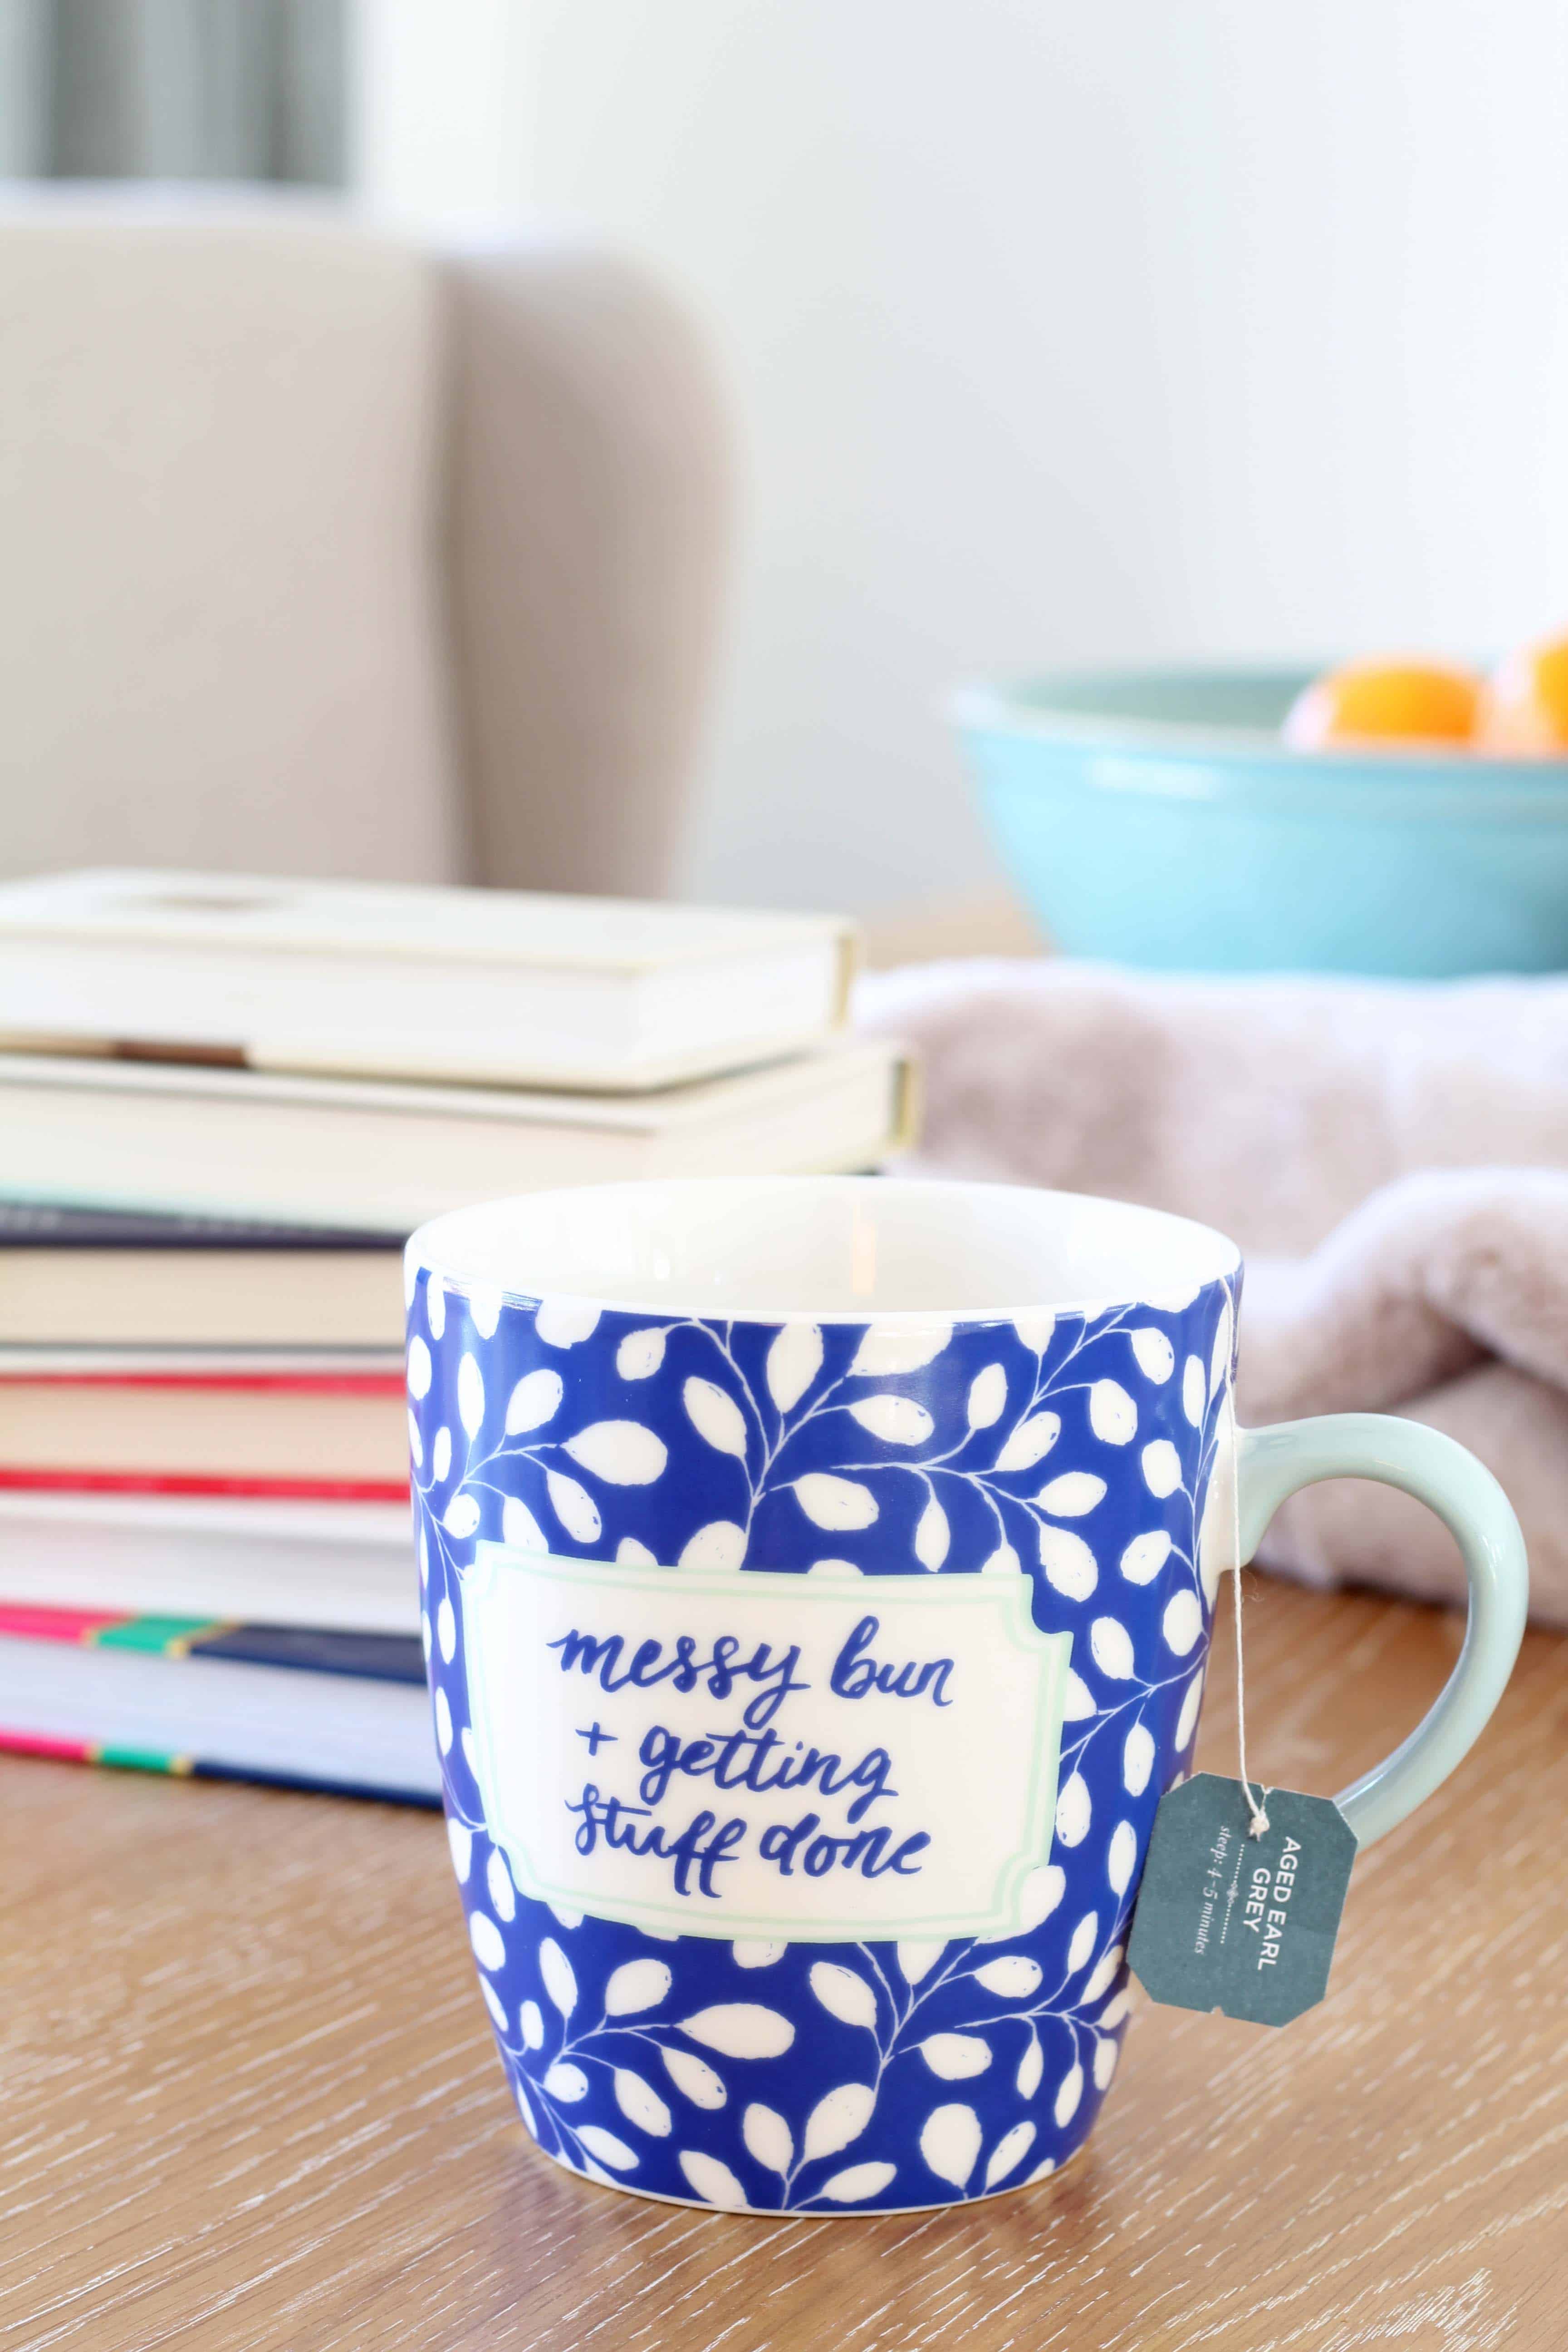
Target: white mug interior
(846,1247)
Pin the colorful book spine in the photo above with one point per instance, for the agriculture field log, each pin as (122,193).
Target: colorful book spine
(194,1768)
(385,1657)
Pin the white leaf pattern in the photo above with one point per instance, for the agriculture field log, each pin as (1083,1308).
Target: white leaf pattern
(932,1536)
(694,2077)
(484,1308)
(531,2025)
(573,1506)
(720,1546)
(1162,1468)
(857,2182)
(753,1954)
(1031,2066)
(497,1881)
(1121,1857)
(1110,1646)
(1137,1760)
(461,1516)
(470,1396)
(896,1420)
(955,2056)
(1068,2096)
(565,2081)
(714,2182)
(949,2143)
(1079,1702)
(1183,1621)
(1187,1721)
(1069,1563)
(1081,1949)
(640,1354)
(1013,1976)
(889,1349)
(1072,1495)
(793,1361)
(836,1504)
(740,2028)
(564,1322)
(1112,1415)
(840,2116)
(767,2138)
(1009,2153)
(559,1980)
(629,1553)
(535,1400)
(716,1418)
(441,1456)
(1154,1355)
(607,2147)
(1036,1331)
(485,1937)
(1106,2054)
(844,1994)
(634,1986)
(1074,1811)
(621,1452)
(1145,1556)
(418,1369)
(1043,1890)
(987,1397)
(1030,1442)
(1104,1975)
(460,1838)
(447,1629)
(916,1959)
(641,2104)
(1194,1391)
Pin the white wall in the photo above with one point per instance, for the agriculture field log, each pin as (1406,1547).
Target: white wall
(1059,332)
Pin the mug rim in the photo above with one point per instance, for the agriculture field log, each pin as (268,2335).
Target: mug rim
(438,1246)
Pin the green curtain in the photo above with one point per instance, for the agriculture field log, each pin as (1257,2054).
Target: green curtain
(173,90)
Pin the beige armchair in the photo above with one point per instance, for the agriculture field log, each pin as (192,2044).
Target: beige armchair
(324,552)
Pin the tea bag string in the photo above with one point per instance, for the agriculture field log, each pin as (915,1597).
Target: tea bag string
(1258,1816)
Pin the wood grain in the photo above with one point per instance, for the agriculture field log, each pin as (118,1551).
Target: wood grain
(248,2097)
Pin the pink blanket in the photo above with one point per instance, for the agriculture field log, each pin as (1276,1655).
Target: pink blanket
(1393,1158)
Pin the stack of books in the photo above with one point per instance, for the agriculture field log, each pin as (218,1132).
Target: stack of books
(224,1105)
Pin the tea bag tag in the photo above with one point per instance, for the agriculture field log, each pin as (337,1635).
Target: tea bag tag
(1237,1919)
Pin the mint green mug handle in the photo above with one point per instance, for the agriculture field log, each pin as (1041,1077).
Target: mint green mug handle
(1273,1463)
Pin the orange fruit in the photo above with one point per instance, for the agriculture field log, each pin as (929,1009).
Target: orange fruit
(1374,703)
(1524,705)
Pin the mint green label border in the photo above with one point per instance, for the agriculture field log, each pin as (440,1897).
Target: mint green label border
(1005,1594)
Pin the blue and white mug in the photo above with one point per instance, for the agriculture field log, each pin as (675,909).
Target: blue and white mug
(817,1580)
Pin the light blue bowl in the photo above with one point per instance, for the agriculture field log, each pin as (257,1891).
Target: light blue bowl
(1157,819)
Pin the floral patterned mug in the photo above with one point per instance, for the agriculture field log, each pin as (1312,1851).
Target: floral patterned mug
(817,1580)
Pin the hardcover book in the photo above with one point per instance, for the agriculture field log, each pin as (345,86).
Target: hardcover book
(500,986)
(338,1712)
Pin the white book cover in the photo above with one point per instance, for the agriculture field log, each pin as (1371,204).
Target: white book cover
(495,986)
(382,1156)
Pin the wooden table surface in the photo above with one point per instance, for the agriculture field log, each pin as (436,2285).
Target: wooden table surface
(248,2097)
